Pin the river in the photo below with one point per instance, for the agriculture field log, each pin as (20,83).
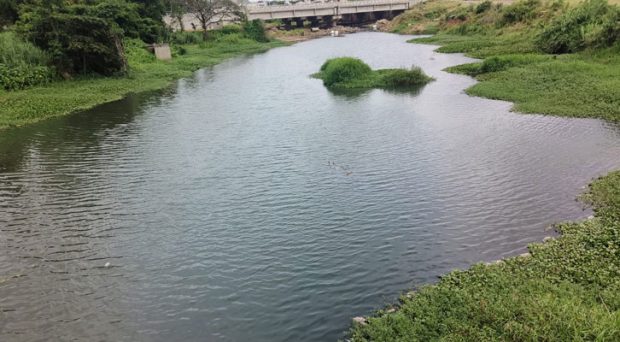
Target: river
(249,203)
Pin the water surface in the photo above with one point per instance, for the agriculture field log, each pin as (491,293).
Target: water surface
(249,203)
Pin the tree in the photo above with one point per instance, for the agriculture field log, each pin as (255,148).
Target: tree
(77,38)
(212,11)
(9,12)
(176,9)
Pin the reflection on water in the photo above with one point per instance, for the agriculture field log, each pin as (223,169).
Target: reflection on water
(250,203)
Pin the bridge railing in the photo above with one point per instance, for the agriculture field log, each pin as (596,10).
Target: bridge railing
(317,5)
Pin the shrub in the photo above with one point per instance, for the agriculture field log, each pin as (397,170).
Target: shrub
(22,76)
(255,30)
(483,6)
(230,29)
(186,37)
(233,38)
(594,23)
(343,69)
(14,50)
(398,78)
(523,10)
(77,41)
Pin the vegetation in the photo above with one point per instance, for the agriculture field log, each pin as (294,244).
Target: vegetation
(564,289)
(352,73)
(57,56)
(568,289)
(582,81)
(145,73)
(21,63)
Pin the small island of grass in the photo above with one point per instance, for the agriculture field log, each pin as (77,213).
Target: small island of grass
(352,73)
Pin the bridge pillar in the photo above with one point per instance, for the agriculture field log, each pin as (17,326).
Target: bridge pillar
(328,21)
(314,21)
(299,22)
(287,24)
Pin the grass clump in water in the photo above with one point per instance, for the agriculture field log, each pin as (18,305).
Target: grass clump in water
(352,73)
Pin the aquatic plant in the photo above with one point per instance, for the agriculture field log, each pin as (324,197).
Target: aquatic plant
(351,73)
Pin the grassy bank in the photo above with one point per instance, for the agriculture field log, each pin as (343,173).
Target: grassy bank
(512,40)
(567,289)
(352,73)
(59,98)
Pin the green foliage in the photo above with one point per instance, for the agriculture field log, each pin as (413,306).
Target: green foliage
(343,69)
(567,290)
(22,64)
(255,30)
(352,73)
(78,41)
(9,12)
(21,76)
(127,17)
(14,51)
(593,23)
(499,63)
(402,78)
(145,74)
(183,37)
(483,6)
(520,11)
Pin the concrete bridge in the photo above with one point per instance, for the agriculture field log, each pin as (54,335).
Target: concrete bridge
(334,9)
(328,12)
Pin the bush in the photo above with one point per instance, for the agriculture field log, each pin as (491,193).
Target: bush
(483,6)
(186,38)
(22,76)
(399,78)
(77,41)
(594,23)
(14,50)
(521,11)
(343,69)
(255,30)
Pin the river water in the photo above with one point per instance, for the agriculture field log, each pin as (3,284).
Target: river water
(249,203)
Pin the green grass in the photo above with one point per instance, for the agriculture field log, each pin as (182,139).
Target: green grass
(583,84)
(567,290)
(352,73)
(60,98)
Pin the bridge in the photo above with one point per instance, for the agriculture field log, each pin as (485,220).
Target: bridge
(345,11)
(334,9)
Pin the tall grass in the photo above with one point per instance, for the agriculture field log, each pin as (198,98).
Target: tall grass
(593,23)
(22,64)
(15,51)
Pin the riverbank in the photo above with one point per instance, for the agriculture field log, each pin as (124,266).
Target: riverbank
(565,288)
(585,82)
(22,107)
(302,34)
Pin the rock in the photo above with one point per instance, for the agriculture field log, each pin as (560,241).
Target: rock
(360,320)
(496,262)
(548,238)
(390,310)
(314,29)
(525,255)
(590,217)
(107,264)
(381,24)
